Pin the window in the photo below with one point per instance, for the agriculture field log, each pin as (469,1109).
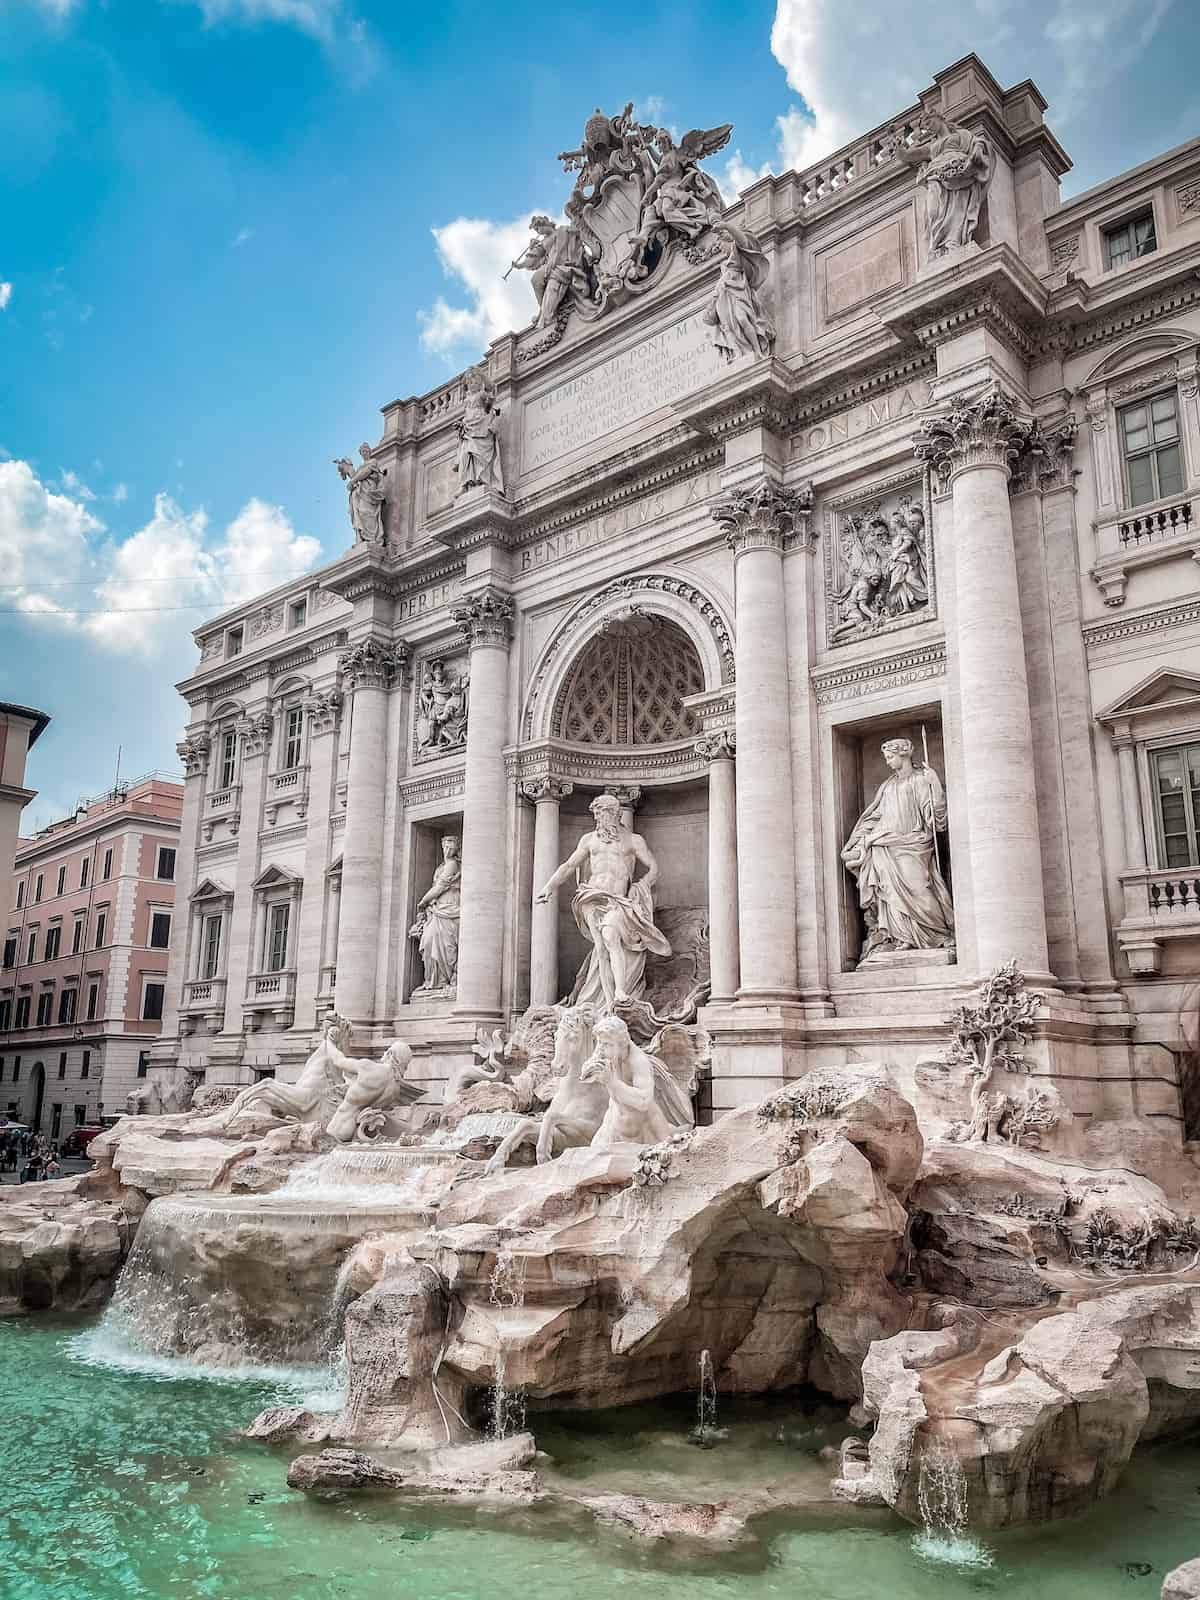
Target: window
(1130,239)
(85,1064)
(233,642)
(106,870)
(62,880)
(166,862)
(298,614)
(10,951)
(16,1076)
(56,1119)
(101,927)
(277,937)
(20,894)
(80,1114)
(152,1002)
(85,867)
(210,947)
(53,940)
(93,1001)
(5,1015)
(77,936)
(22,1017)
(228,759)
(143,1066)
(293,737)
(1175,777)
(68,1002)
(45,1010)
(62,1064)
(31,948)
(160,930)
(1150,445)
(37,888)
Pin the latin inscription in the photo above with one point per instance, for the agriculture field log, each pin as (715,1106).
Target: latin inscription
(622,519)
(617,392)
(890,407)
(425,600)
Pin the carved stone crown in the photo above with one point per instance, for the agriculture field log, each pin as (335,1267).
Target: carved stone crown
(985,432)
(323,708)
(255,732)
(718,746)
(193,752)
(547,788)
(373,663)
(485,618)
(764,516)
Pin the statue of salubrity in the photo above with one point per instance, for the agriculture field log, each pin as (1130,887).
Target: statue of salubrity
(893,854)
(436,925)
(366,494)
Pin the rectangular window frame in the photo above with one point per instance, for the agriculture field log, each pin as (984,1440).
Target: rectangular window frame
(45,1009)
(85,1064)
(78,935)
(157,916)
(61,879)
(1124,231)
(298,613)
(291,739)
(106,870)
(53,942)
(85,868)
(212,939)
(93,1002)
(68,1006)
(1152,451)
(101,927)
(1191,806)
(228,765)
(165,850)
(157,984)
(277,935)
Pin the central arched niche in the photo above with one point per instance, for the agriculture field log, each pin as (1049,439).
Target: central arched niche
(629,683)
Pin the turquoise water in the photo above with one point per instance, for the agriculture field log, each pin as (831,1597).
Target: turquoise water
(118,1484)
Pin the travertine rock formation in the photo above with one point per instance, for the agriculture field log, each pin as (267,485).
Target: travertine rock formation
(60,1250)
(1183,1583)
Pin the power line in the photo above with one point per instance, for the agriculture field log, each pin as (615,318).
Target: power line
(94,583)
(115,611)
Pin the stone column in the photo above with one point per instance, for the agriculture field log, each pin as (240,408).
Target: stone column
(718,750)
(194,753)
(545,795)
(977,445)
(323,710)
(254,732)
(1131,804)
(758,521)
(368,669)
(486,618)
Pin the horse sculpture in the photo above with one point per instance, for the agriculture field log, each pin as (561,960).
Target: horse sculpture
(576,1108)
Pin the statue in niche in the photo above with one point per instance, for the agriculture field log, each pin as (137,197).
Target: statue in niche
(560,267)
(366,492)
(614,911)
(742,326)
(893,854)
(442,707)
(881,569)
(479,463)
(956,168)
(645,1103)
(436,927)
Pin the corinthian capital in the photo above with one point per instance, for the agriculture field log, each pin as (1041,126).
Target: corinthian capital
(193,752)
(548,788)
(719,746)
(373,663)
(763,516)
(485,618)
(255,732)
(986,432)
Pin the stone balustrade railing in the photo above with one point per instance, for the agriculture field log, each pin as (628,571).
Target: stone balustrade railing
(852,162)
(1130,540)
(204,994)
(225,800)
(271,988)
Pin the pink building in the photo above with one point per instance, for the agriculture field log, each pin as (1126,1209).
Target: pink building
(85,955)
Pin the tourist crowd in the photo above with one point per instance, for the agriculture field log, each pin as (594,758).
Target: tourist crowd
(30,1155)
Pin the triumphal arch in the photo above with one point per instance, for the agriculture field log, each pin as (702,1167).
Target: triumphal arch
(795,623)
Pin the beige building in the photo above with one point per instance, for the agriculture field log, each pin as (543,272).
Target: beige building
(901,447)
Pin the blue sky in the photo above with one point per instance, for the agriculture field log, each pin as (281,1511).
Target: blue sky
(232,229)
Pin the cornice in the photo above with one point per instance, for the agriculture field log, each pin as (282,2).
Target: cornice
(632,487)
(838,393)
(1105,324)
(851,682)
(1097,634)
(603,766)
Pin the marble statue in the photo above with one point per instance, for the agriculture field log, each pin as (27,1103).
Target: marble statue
(366,492)
(956,169)
(313,1096)
(892,852)
(645,1104)
(735,312)
(681,196)
(560,267)
(442,707)
(479,463)
(613,911)
(436,926)
(575,1109)
(370,1086)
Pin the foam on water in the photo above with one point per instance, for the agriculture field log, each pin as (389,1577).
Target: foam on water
(106,1346)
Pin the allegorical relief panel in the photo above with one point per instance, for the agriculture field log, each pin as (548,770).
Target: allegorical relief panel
(441,700)
(879,560)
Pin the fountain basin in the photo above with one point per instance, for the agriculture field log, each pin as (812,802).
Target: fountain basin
(230,1279)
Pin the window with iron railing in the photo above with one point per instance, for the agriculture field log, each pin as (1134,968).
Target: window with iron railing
(1175,775)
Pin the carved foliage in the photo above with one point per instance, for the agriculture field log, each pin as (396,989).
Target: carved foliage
(486,618)
(323,708)
(982,432)
(255,733)
(718,746)
(993,1031)
(372,663)
(764,516)
(193,752)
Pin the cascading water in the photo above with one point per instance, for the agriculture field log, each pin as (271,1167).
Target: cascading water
(942,1499)
(507,1293)
(705,1432)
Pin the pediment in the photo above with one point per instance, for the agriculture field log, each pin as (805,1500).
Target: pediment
(277,877)
(210,889)
(1161,690)
(1137,352)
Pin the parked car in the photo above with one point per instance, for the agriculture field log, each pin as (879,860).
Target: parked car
(77,1141)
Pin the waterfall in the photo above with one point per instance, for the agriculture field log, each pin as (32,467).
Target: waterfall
(705,1432)
(942,1500)
(507,1293)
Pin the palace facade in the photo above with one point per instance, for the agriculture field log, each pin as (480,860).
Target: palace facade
(898,448)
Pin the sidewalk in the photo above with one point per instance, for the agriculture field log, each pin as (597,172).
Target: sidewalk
(69,1168)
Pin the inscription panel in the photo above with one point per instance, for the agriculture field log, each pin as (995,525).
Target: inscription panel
(864,269)
(617,392)
(623,519)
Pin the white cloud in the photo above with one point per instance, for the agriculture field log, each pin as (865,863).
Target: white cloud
(477,253)
(72,484)
(121,493)
(5,295)
(62,570)
(241,237)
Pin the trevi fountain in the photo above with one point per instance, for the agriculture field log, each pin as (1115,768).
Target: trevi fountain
(678,1069)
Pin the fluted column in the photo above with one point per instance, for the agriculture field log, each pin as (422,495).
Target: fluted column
(322,711)
(194,753)
(545,795)
(368,669)
(486,619)
(718,750)
(254,736)
(976,445)
(758,522)
(1131,806)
